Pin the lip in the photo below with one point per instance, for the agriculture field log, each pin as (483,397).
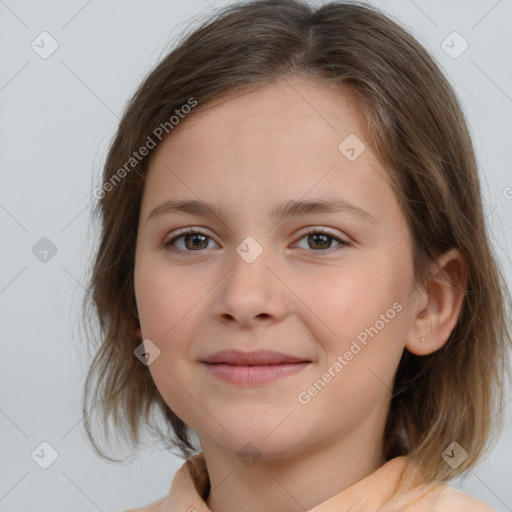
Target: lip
(257,357)
(254,374)
(253,368)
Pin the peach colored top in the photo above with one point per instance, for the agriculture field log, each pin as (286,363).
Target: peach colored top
(395,486)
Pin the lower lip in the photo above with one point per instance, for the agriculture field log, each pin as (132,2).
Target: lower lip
(253,375)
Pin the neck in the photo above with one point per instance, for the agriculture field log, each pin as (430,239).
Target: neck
(299,482)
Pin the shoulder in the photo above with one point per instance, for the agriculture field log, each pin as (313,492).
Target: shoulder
(457,501)
(444,498)
(188,484)
(155,506)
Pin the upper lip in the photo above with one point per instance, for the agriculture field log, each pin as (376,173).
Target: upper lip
(239,357)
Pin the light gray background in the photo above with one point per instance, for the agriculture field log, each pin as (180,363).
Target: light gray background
(57,117)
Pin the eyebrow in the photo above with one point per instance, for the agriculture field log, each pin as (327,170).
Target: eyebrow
(290,208)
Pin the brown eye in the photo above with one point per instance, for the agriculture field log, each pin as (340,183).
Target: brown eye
(193,241)
(320,240)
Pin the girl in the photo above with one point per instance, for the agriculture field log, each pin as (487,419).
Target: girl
(294,265)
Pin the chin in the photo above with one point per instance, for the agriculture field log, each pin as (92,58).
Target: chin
(251,443)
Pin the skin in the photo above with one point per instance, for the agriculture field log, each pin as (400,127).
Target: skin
(246,153)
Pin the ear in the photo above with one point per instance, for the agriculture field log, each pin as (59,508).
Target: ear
(439,304)
(138,332)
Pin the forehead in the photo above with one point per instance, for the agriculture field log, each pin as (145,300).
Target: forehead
(281,139)
(276,107)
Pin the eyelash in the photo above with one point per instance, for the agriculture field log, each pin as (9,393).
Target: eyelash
(316,231)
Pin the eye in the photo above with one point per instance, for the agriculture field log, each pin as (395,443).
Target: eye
(320,240)
(193,241)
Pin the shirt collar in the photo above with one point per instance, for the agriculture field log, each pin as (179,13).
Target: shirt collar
(396,483)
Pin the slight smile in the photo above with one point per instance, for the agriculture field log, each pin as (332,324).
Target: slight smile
(253,368)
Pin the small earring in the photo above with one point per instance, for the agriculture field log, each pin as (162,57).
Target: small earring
(423,339)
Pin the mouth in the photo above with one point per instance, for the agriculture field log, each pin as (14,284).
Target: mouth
(257,357)
(253,368)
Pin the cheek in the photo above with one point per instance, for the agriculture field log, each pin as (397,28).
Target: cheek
(348,298)
(175,388)
(163,298)
(164,310)
(168,304)
(357,313)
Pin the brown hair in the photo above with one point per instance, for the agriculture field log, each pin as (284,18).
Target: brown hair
(416,127)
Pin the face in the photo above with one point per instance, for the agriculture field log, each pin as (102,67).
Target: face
(332,289)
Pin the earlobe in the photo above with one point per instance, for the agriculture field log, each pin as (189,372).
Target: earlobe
(441,304)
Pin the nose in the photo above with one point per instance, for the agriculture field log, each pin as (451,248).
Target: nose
(251,292)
